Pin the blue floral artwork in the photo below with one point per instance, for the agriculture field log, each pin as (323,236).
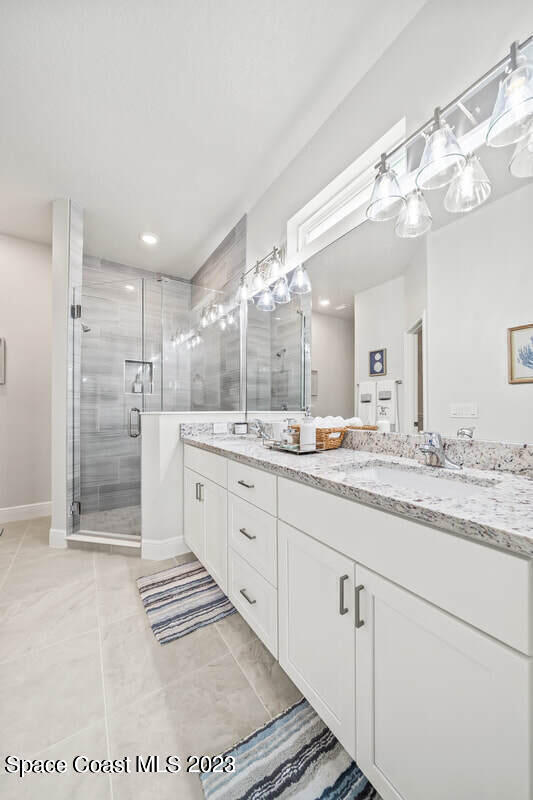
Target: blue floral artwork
(521,354)
(525,354)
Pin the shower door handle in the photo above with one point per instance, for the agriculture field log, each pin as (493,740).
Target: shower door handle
(134,423)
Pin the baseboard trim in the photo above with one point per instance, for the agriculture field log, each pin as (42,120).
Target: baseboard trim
(57,538)
(30,511)
(160,549)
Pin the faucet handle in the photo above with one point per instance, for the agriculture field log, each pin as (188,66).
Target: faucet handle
(466,433)
(433,438)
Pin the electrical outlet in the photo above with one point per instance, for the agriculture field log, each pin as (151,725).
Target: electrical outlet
(220,427)
(464,410)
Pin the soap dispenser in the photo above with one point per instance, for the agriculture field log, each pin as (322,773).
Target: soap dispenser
(137,386)
(307,433)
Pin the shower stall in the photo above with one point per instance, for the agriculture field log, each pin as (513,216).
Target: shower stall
(131,356)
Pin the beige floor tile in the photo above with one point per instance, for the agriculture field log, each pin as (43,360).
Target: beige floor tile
(136,664)
(269,680)
(214,708)
(18,526)
(44,618)
(184,558)
(70,785)
(148,727)
(50,695)
(235,631)
(56,568)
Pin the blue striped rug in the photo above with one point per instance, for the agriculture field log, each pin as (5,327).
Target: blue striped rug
(292,756)
(182,599)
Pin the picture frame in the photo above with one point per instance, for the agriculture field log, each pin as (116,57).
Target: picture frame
(377,362)
(520,353)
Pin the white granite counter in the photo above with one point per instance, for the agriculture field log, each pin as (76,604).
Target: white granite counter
(499,511)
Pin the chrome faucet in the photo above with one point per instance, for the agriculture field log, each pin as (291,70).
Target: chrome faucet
(258,427)
(433,449)
(465,433)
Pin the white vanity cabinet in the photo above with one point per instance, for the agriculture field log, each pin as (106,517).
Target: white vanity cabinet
(442,709)
(205,524)
(317,628)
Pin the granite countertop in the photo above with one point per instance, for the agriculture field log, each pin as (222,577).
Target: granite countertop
(499,511)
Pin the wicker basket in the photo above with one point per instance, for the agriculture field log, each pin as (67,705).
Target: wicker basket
(326,438)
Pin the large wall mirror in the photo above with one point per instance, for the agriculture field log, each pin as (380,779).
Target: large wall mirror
(430,320)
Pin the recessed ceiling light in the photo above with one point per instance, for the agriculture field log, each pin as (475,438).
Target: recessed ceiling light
(324,302)
(130,287)
(149,238)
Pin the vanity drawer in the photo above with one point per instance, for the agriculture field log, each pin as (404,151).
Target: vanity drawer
(485,587)
(254,485)
(210,465)
(255,599)
(252,534)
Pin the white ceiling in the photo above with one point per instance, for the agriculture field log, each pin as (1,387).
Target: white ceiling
(171,116)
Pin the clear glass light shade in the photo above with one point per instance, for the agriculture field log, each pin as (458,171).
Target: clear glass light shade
(513,110)
(442,159)
(231,318)
(281,292)
(415,219)
(300,283)
(258,282)
(222,323)
(521,165)
(274,269)
(242,293)
(469,189)
(265,301)
(387,199)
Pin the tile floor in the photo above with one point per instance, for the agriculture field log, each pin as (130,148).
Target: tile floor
(81,673)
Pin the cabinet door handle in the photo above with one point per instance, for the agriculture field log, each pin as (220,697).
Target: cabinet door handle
(246,485)
(249,599)
(342,608)
(196,494)
(358,621)
(245,533)
(200,492)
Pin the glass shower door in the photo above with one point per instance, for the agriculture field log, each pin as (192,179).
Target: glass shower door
(115,379)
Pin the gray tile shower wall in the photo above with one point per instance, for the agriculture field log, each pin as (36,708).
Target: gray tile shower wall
(478,454)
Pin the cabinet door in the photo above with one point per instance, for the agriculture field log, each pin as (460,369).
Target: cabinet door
(194,513)
(215,500)
(442,710)
(316,628)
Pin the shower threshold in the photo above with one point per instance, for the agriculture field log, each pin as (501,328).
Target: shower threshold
(101,537)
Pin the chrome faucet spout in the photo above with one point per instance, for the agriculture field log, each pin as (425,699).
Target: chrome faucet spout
(433,449)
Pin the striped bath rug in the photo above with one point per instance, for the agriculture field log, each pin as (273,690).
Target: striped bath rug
(292,756)
(182,599)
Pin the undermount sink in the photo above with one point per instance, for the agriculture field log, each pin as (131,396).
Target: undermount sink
(438,485)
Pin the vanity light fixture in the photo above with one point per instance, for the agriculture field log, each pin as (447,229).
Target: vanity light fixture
(521,165)
(275,265)
(258,282)
(149,238)
(204,321)
(442,159)
(387,199)
(230,318)
(280,291)
(415,219)
(300,283)
(242,292)
(469,189)
(513,110)
(265,301)
(222,323)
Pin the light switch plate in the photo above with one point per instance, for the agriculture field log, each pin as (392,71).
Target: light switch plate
(220,427)
(464,410)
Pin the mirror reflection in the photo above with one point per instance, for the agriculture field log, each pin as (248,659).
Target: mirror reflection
(434,332)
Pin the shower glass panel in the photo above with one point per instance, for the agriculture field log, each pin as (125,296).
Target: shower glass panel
(117,378)
(275,345)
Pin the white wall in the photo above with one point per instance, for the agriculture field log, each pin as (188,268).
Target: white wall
(444,48)
(25,323)
(380,322)
(332,355)
(480,282)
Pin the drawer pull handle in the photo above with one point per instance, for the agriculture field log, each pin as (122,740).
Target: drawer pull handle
(358,621)
(249,599)
(342,608)
(246,485)
(245,533)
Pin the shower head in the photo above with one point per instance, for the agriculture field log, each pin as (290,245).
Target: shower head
(85,328)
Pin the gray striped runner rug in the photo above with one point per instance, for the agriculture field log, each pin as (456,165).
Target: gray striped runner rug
(182,599)
(292,756)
